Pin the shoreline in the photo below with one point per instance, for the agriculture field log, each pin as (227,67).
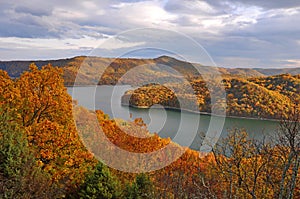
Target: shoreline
(91,85)
(178,109)
(201,113)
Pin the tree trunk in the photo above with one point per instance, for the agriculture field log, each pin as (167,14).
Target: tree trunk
(284,173)
(294,177)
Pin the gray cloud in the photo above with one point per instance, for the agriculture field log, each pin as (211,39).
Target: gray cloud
(245,31)
(272,4)
(55,18)
(32,11)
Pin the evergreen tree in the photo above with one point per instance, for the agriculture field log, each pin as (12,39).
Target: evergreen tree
(20,177)
(100,184)
(141,188)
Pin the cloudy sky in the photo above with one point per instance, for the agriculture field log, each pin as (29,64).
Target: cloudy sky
(235,33)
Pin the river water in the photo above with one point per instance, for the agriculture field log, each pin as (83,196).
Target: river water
(182,127)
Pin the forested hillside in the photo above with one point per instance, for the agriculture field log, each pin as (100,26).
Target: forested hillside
(43,155)
(116,68)
(264,97)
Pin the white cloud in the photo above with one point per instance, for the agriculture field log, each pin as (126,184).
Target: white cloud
(143,14)
(242,30)
(66,44)
(291,62)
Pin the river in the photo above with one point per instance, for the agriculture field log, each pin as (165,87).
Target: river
(167,123)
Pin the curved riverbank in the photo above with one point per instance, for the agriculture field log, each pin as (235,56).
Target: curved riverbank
(199,112)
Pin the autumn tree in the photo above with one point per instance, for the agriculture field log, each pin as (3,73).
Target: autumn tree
(45,111)
(241,167)
(289,148)
(44,96)
(9,94)
(20,177)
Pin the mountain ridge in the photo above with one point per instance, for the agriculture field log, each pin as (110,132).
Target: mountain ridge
(15,68)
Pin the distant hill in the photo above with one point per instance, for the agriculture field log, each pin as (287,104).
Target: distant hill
(118,67)
(257,92)
(260,97)
(16,68)
(277,71)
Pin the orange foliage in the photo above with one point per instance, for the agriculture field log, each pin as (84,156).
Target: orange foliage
(44,109)
(182,174)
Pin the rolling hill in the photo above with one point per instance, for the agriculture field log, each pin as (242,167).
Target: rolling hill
(113,69)
(260,97)
(257,93)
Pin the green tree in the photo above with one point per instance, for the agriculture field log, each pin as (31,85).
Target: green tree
(20,177)
(100,184)
(142,187)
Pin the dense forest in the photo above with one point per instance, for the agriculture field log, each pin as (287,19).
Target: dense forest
(262,97)
(43,155)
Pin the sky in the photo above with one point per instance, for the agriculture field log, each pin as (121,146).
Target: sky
(233,33)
